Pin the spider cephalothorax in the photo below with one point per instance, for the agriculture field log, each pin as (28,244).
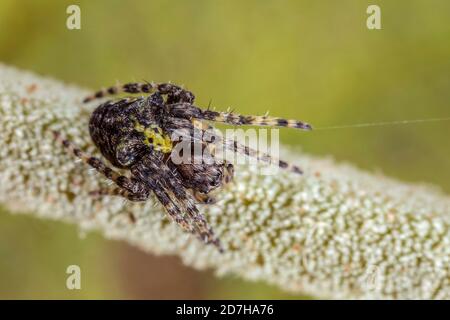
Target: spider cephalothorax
(140,134)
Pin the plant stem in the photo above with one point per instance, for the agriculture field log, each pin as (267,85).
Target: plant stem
(335,232)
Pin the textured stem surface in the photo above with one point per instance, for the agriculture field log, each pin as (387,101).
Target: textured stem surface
(335,232)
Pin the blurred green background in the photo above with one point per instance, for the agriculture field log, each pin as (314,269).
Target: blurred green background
(311,60)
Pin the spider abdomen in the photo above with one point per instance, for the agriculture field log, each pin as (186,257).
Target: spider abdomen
(113,130)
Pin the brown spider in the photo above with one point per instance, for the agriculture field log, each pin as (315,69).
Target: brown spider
(136,134)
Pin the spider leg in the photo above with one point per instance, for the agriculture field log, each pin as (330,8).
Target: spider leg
(186,110)
(99,193)
(161,179)
(176,93)
(117,191)
(235,146)
(237,119)
(133,189)
(169,203)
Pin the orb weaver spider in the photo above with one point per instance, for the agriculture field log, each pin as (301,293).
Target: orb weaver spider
(135,134)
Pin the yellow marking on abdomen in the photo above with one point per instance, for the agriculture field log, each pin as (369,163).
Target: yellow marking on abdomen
(154,136)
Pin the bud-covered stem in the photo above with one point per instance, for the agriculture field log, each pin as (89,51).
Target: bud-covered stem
(335,232)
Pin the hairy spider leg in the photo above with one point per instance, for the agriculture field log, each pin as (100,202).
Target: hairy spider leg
(198,225)
(229,172)
(154,168)
(116,191)
(237,119)
(131,189)
(163,197)
(173,210)
(189,111)
(176,93)
(235,146)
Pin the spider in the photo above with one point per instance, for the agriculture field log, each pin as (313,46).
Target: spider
(135,134)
